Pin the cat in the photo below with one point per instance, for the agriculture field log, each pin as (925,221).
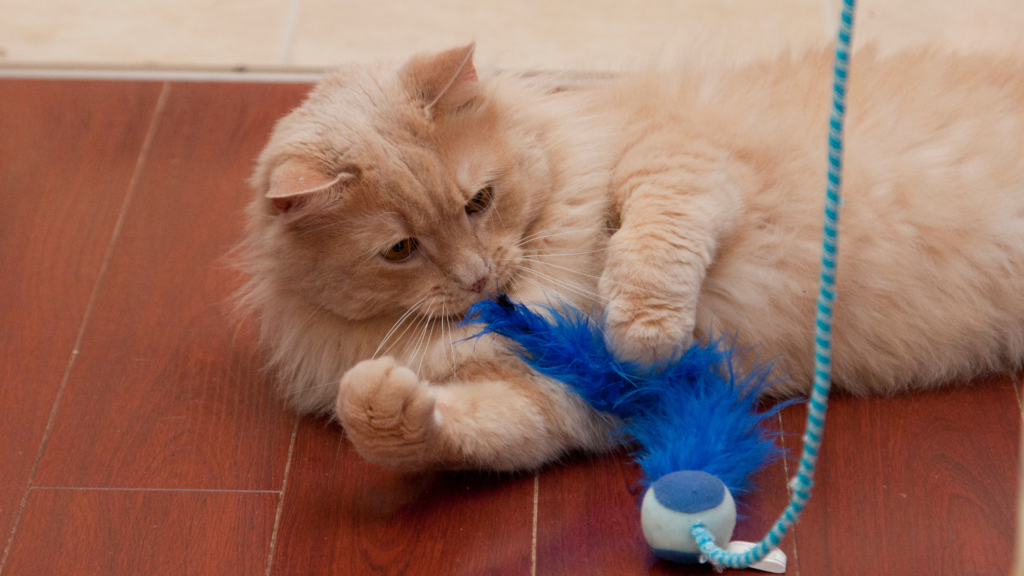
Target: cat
(680,205)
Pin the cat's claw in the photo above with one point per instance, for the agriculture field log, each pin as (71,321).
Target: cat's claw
(389,414)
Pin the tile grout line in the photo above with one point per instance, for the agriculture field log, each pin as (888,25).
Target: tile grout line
(147,141)
(789,492)
(280,501)
(106,489)
(533,541)
(291,23)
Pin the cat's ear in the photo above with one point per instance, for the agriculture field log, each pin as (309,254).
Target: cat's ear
(297,181)
(443,81)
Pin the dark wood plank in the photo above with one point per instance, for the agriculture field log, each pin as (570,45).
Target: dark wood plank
(92,532)
(589,519)
(166,393)
(918,484)
(344,516)
(67,152)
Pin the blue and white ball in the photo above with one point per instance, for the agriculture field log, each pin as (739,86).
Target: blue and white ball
(677,501)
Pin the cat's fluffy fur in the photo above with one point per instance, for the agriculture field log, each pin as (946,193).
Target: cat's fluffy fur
(674,202)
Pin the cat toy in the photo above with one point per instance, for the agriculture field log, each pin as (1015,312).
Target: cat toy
(695,420)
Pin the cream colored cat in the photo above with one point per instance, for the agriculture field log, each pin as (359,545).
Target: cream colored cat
(397,196)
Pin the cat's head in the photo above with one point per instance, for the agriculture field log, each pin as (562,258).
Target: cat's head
(393,187)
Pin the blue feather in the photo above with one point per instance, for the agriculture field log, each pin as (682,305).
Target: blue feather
(693,413)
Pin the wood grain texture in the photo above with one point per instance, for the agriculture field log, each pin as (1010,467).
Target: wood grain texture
(67,152)
(151,533)
(344,516)
(166,393)
(589,519)
(921,484)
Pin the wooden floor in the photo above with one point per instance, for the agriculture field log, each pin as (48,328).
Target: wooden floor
(138,436)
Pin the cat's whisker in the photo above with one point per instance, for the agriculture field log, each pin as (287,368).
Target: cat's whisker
(524,239)
(429,338)
(546,230)
(544,289)
(601,299)
(598,297)
(404,332)
(423,320)
(553,143)
(569,286)
(516,287)
(395,326)
(427,321)
(310,317)
(451,339)
(537,237)
(557,137)
(588,275)
(498,214)
(540,252)
(304,390)
(566,285)
(412,310)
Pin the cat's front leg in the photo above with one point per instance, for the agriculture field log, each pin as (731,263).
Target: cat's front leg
(389,414)
(496,416)
(673,211)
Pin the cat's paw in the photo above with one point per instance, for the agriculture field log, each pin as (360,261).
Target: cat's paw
(389,414)
(643,328)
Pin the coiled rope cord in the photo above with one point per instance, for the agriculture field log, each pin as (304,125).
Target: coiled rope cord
(801,485)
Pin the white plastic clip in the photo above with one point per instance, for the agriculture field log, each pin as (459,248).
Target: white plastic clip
(774,562)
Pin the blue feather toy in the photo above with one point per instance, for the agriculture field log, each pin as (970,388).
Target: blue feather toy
(695,420)
(694,413)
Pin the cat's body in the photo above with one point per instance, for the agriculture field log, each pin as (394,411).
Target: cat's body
(675,202)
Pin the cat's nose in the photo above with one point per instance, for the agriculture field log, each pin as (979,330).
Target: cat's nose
(480,284)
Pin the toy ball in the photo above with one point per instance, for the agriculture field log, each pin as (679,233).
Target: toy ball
(677,501)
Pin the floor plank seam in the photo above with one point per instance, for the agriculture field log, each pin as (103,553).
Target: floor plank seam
(115,489)
(280,501)
(533,540)
(132,184)
(789,493)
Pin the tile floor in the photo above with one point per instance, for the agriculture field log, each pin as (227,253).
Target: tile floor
(578,34)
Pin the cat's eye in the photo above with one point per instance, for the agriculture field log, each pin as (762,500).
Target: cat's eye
(481,201)
(401,250)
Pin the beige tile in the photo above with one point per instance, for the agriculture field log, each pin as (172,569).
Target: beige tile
(580,34)
(964,25)
(196,32)
(576,34)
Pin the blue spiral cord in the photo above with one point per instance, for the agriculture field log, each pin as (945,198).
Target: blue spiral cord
(801,485)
